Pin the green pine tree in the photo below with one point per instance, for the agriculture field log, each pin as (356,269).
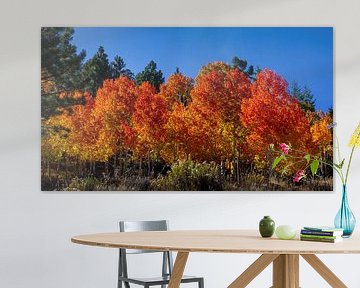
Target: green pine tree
(150,74)
(118,68)
(242,65)
(60,68)
(95,71)
(304,95)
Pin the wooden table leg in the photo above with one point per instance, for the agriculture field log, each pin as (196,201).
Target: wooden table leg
(324,271)
(253,270)
(286,271)
(178,269)
(293,264)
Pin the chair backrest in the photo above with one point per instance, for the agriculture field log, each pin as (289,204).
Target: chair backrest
(135,226)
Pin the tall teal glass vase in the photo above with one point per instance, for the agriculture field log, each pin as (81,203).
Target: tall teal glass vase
(345,219)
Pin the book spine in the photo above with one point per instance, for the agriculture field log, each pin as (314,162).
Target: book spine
(319,236)
(318,239)
(320,233)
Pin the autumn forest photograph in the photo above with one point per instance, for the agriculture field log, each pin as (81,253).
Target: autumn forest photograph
(187,109)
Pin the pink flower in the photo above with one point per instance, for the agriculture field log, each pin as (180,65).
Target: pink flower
(285,148)
(298,176)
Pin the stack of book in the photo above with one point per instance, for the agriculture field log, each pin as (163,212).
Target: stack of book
(321,234)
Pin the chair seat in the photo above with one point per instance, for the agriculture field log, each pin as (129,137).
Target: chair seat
(158,280)
(167,262)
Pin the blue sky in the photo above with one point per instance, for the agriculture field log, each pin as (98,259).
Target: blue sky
(301,54)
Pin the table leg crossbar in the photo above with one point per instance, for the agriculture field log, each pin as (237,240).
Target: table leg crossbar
(254,269)
(285,271)
(324,271)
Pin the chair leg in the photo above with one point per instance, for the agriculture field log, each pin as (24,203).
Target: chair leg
(120,270)
(201,283)
(164,266)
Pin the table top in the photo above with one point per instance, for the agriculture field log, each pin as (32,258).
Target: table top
(217,241)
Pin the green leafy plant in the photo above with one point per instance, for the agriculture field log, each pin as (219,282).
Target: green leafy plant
(84,184)
(187,175)
(313,162)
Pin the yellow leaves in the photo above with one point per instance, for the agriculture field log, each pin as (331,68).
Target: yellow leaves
(259,162)
(55,144)
(217,66)
(321,134)
(355,138)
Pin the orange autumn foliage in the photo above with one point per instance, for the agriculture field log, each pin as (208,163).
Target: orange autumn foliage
(221,92)
(177,89)
(76,95)
(321,134)
(212,123)
(114,106)
(271,115)
(149,119)
(218,117)
(178,136)
(85,129)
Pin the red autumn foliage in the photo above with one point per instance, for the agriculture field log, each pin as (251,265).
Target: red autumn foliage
(221,116)
(271,115)
(149,119)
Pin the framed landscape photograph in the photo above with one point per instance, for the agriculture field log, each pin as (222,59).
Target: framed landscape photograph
(186,108)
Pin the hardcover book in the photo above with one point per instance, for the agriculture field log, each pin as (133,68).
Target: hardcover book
(321,233)
(325,240)
(320,237)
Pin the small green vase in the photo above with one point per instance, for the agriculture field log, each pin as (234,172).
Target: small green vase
(267,227)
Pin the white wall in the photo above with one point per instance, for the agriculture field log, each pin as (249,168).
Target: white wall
(35,227)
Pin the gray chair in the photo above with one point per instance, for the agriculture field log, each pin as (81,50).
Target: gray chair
(167,265)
